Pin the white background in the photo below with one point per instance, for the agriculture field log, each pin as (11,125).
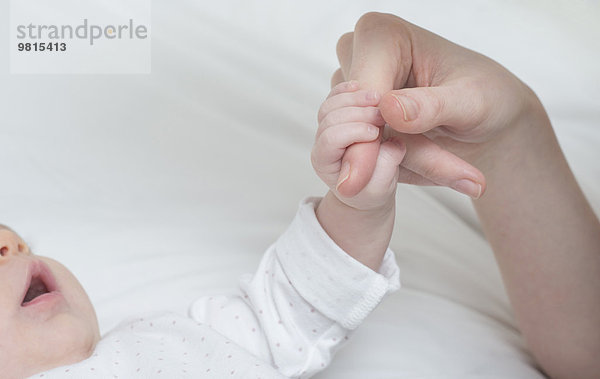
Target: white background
(157,188)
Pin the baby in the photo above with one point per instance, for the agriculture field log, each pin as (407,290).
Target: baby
(313,286)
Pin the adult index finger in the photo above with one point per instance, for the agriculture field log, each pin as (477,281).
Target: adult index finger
(377,55)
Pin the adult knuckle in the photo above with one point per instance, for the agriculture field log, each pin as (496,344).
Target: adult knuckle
(378,20)
(369,20)
(344,43)
(337,78)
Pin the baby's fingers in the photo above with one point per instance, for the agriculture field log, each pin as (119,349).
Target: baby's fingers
(331,144)
(361,98)
(369,115)
(349,86)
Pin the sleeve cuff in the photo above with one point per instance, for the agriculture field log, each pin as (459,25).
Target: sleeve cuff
(333,282)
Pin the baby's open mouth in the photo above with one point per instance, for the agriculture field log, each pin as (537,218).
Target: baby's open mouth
(40,281)
(36,288)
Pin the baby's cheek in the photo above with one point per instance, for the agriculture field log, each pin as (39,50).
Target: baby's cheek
(8,343)
(21,349)
(70,338)
(31,345)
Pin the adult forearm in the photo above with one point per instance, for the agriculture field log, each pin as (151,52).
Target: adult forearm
(546,239)
(364,235)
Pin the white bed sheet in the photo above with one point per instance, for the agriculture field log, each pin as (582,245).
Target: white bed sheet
(155,189)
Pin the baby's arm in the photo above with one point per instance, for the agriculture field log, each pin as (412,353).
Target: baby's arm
(331,267)
(304,300)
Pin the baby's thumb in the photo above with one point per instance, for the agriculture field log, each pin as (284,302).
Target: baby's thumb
(358,164)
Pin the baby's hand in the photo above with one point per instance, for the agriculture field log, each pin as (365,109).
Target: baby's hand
(346,117)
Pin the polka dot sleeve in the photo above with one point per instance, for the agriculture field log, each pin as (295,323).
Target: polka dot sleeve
(303,301)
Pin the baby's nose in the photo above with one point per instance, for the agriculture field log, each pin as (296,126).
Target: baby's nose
(10,244)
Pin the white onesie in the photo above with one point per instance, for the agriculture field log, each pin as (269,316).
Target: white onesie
(287,320)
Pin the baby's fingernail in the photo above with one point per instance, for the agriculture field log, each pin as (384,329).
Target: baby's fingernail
(344,174)
(468,187)
(372,95)
(352,83)
(409,107)
(373,130)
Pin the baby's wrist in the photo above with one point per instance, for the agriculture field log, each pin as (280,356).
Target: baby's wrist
(371,207)
(370,210)
(363,234)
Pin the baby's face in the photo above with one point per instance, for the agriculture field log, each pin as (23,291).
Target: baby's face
(46,318)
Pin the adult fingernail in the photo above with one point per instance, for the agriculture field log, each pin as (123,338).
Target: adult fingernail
(409,107)
(344,175)
(468,187)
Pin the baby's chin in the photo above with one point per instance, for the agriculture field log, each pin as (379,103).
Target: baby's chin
(72,357)
(75,342)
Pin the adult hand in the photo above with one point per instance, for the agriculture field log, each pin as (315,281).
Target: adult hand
(444,101)
(451,106)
